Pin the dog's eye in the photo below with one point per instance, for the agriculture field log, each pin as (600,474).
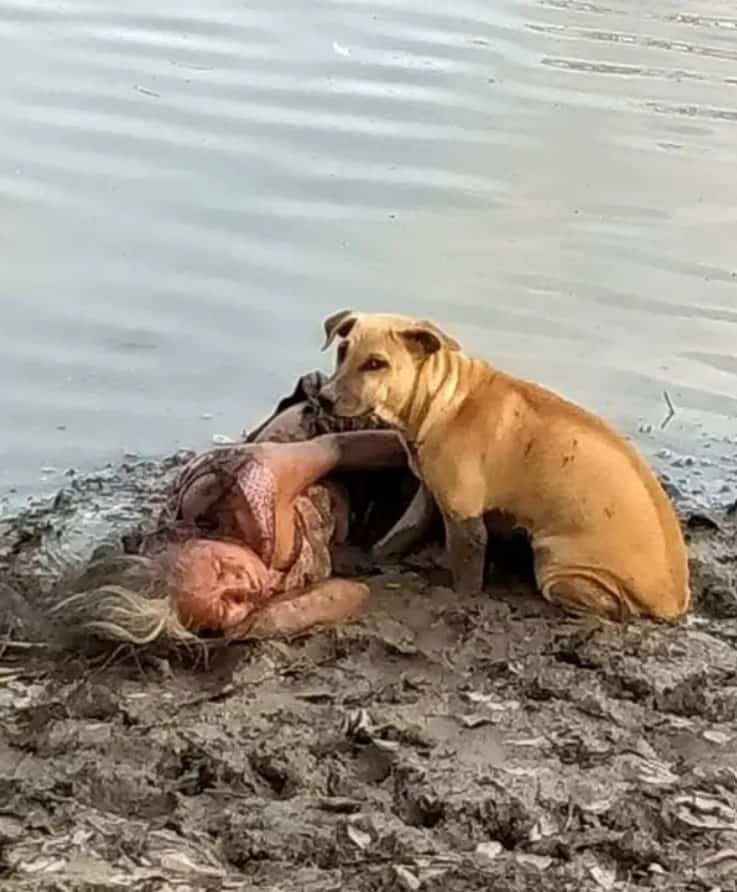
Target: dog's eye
(342,351)
(373,364)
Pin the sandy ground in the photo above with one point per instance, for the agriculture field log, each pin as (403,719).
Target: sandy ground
(436,744)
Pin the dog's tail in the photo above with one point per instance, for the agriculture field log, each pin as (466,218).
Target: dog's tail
(120,600)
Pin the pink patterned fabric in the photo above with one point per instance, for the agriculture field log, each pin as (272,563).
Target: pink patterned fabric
(229,495)
(315,520)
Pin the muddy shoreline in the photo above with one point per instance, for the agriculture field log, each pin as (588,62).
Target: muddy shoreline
(434,744)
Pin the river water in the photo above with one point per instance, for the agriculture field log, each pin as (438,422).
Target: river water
(188,188)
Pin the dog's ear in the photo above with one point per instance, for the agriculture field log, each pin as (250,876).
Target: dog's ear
(448,342)
(338,324)
(427,338)
(421,340)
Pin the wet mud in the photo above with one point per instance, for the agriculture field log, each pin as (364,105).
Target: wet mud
(437,743)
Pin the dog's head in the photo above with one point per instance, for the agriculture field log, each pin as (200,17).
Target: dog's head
(379,359)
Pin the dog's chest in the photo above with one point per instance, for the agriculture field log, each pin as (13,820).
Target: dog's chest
(420,463)
(427,463)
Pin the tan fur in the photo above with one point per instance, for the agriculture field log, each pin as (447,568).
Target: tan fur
(604,533)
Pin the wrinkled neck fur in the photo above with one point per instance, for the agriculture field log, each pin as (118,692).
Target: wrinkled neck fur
(442,382)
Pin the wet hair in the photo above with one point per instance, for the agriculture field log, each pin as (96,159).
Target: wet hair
(122,599)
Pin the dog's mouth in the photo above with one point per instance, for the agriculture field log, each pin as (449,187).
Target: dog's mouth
(339,410)
(358,415)
(359,420)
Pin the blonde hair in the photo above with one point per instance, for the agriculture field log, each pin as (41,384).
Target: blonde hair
(123,599)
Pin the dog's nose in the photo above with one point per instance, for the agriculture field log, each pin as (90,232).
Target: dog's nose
(326,401)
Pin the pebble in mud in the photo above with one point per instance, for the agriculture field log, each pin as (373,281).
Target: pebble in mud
(683,461)
(406,879)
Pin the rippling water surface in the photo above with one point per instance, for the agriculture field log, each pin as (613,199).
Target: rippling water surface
(187,188)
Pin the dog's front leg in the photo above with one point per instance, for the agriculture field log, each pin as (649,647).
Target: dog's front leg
(466,543)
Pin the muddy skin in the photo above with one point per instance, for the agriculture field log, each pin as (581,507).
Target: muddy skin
(435,744)
(250,522)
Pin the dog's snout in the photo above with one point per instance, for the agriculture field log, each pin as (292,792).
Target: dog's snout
(327,402)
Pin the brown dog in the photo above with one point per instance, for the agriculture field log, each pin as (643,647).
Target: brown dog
(604,534)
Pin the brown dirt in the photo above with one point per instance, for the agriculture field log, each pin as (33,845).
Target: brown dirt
(436,744)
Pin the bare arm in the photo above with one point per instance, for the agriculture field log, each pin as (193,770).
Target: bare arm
(367,450)
(326,603)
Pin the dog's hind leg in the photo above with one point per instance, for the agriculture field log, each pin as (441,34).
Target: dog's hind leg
(583,593)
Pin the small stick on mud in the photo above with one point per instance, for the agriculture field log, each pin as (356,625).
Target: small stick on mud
(9,644)
(21,645)
(671,410)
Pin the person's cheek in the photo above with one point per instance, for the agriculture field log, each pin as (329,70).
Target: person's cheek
(234,614)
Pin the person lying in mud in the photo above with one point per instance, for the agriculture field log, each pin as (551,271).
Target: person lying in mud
(244,547)
(248,542)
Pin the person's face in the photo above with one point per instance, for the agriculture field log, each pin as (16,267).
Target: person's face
(215,585)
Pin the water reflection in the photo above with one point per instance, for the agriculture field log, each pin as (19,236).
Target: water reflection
(185,195)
